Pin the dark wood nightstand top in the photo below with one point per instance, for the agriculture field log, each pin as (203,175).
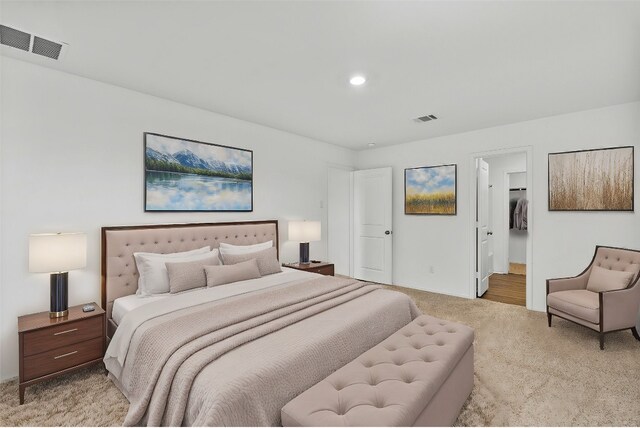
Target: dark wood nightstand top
(307,266)
(41,319)
(322,268)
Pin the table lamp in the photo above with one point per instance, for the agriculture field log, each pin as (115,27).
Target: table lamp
(304,232)
(57,254)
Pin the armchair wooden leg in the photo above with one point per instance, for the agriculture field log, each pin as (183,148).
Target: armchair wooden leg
(601,341)
(634,331)
(549,319)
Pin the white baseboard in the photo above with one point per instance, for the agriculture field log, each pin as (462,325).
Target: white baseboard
(464,296)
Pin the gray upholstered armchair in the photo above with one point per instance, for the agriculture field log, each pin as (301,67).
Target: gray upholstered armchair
(605,297)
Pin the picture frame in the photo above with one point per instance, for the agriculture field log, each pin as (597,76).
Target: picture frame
(184,175)
(592,180)
(431,190)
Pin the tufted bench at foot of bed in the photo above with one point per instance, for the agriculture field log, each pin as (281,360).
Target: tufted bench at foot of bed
(419,376)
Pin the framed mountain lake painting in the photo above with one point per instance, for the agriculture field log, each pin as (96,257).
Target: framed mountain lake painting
(430,190)
(591,180)
(188,175)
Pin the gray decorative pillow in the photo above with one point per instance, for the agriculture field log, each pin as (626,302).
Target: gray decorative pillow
(602,279)
(267,260)
(226,274)
(187,275)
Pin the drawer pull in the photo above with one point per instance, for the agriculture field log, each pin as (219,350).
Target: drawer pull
(65,332)
(65,355)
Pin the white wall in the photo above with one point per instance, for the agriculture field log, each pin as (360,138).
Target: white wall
(518,179)
(3,296)
(72,160)
(563,243)
(338,219)
(518,238)
(498,167)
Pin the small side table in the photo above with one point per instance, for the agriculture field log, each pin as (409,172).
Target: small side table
(51,347)
(321,268)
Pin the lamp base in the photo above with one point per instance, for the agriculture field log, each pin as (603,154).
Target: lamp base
(304,253)
(59,306)
(58,314)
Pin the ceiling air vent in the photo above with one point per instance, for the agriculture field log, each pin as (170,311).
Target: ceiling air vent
(23,41)
(426,118)
(14,38)
(46,47)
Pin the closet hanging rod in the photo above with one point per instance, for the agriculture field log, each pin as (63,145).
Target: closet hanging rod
(517,188)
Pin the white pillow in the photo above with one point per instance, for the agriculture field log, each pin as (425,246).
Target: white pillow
(243,249)
(154,278)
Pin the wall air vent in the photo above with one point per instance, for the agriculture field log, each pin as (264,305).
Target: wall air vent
(426,118)
(28,43)
(15,38)
(46,47)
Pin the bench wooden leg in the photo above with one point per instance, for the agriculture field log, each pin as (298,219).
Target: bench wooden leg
(634,331)
(21,389)
(549,319)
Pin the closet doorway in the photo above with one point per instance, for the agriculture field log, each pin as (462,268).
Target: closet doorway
(508,283)
(502,227)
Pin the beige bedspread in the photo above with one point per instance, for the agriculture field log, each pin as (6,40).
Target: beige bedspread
(238,361)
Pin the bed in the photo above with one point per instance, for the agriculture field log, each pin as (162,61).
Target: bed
(234,354)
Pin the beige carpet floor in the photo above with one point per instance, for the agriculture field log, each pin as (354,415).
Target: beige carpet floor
(526,374)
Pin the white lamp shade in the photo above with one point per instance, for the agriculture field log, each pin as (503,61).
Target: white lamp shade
(57,252)
(304,231)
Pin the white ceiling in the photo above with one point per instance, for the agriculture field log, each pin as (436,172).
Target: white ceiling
(287,64)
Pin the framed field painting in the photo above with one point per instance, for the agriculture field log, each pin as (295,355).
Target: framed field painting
(188,175)
(591,180)
(430,190)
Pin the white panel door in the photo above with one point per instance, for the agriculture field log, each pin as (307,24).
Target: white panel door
(482,227)
(372,211)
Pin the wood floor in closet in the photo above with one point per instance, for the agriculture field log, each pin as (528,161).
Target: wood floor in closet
(507,288)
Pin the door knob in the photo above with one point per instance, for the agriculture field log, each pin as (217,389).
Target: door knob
(387,232)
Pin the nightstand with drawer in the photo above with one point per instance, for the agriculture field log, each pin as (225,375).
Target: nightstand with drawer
(51,347)
(320,267)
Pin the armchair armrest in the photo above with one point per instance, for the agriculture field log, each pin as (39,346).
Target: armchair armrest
(561,284)
(619,308)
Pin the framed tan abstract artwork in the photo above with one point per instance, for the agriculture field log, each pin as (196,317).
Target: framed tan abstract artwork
(591,180)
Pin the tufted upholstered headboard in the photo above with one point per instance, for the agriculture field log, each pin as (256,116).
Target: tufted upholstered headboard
(119,275)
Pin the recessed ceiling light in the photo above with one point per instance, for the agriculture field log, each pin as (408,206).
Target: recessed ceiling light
(357,80)
(371,144)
